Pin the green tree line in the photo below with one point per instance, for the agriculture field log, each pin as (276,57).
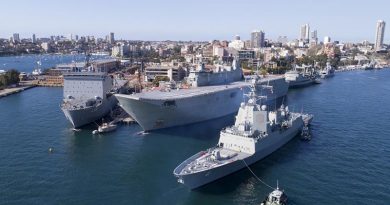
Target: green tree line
(8,78)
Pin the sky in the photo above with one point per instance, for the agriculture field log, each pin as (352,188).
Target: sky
(197,20)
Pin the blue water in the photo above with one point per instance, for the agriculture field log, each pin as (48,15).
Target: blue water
(27,63)
(346,162)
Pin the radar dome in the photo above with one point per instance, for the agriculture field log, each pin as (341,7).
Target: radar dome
(263,107)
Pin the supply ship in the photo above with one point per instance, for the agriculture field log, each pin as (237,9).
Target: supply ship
(87,96)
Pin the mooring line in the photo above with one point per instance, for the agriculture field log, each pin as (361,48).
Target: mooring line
(257,176)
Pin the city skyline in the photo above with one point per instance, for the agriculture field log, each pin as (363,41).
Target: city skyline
(193,20)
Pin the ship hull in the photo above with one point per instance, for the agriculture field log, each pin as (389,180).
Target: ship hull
(300,84)
(327,74)
(151,114)
(81,117)
(265,148)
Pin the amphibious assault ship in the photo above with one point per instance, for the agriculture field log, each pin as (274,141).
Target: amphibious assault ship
(257,132)
(209,95)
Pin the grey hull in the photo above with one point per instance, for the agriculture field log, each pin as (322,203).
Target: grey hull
(294,84)
(81,117)
(152,114)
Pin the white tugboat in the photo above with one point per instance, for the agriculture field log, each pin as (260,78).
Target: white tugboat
(256,133)
(276,197)
(105,127)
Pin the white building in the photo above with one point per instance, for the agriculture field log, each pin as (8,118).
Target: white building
(305,33)
(237,43)
(218,51)
(380,33)
(45,46)
(175,73)
(326,40)
(120,50)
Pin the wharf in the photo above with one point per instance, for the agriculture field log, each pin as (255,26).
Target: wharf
(120,115)
(10,91)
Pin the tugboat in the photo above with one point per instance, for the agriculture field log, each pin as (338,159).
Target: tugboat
(276,197)
(257,133)
(306,134)
(105,127)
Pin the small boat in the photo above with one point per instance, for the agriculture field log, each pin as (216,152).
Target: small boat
(307,119)
(107,127)
(276,197)
(305,134)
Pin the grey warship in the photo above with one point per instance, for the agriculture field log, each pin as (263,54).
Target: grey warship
(87,96)
(257,132)
(301,76)
(210,95)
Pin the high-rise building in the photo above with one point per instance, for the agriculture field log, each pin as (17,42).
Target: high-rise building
(380,33)
(34,39)
(257,39)
(305,33)
(112,39)
(326,40)
(16,38)
(314,38)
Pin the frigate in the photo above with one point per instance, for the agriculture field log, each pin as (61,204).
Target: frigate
(208,95)
(257,132)
(87,97)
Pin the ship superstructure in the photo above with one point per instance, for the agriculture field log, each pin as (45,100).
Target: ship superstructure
(257,132)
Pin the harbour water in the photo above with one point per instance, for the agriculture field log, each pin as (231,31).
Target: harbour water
(346,162)
(28,63)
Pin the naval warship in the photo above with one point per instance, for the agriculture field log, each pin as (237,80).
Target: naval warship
(328,71)
(87,96)
(209,95)
(300,76)
(257,132)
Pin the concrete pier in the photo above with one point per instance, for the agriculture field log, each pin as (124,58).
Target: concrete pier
(10,91)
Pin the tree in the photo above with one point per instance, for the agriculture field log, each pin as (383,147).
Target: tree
(157,79)
(9,78)
(13,76)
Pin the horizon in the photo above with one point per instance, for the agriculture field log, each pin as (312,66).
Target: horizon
(173,20)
